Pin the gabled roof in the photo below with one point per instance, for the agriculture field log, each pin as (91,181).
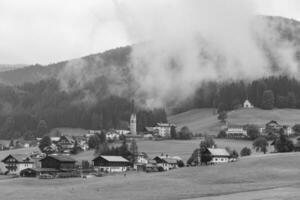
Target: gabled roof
(19,158)
(165,159)
(112,158)
(61,158)
(69,138)
(218,152)
(170,160)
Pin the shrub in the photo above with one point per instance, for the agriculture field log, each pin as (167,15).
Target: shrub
(245,151)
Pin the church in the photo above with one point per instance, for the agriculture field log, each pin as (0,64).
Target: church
(133,120)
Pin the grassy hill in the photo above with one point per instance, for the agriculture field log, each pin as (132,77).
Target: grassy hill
(275,176)
(205,120)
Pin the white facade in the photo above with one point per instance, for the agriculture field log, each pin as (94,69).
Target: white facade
(247,104)
(220,159)
(163,129)
(110,169)
(236,132)
(133,124)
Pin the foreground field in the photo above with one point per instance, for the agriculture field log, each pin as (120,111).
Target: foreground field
(250,178)
(205,120)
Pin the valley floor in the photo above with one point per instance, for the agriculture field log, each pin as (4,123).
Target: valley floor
(275,176)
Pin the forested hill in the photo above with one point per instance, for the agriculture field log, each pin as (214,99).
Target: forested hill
(95,92)
(34,73)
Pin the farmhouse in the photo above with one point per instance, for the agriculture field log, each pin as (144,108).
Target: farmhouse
(111,163)
(141,161)
(58,162)
(15,163)
(217,155)
(273,127)
(166,162)
(66,143)
(236,132)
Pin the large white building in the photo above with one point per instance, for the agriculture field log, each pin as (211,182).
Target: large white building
(15,163)
(163,129)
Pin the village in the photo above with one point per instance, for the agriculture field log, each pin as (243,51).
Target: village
(116,151)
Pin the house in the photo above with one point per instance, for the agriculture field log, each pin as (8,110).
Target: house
(166,162)
(163,129)
(217,155)
(247,104)
(236,132)
(15,163)
(272,127)
(66,143)
(58,162)
(141,161)
(111,163)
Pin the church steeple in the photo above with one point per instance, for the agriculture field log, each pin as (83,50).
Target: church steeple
(133,119)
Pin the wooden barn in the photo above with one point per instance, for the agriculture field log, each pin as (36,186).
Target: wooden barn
(59,162)
(111,163)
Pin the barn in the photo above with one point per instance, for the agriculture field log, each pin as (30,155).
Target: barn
(111,163)
(59,162)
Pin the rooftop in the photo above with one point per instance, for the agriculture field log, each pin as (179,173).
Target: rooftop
(218,152)
(113,158)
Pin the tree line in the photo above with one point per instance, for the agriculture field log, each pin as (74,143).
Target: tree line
(31,110)
(266,93)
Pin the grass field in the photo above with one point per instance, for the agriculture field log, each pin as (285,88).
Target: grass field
(205,120)
(274,176)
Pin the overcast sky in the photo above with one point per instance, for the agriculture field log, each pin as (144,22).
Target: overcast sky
(47,31)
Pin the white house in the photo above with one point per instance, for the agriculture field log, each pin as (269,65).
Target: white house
(163,129)
(166,162)
(236,132)
(247,104)
(218,155)
(15,163)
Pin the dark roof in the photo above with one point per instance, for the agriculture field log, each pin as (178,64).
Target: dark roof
(19,157)
(61,158)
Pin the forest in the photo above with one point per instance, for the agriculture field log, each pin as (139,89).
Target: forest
(32,109)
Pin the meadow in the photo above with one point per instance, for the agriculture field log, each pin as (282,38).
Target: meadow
(205,120)
(272,176)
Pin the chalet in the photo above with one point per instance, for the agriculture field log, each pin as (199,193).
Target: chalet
(236,132)
(15,163)
(166,162)
(111,163)
(66,143)
(141,161)
(273,127)
(247,104)
(58,162)
(217,155)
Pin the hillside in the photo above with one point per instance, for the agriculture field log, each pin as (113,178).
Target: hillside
(288,31)
(205,121)
(277,178)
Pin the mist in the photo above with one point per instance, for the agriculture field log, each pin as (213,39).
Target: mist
(181,44)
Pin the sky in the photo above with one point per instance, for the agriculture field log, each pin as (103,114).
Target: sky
(48,31)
